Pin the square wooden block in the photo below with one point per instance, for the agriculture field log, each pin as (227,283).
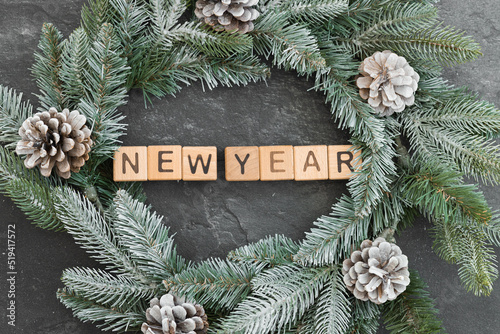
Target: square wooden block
(131,164)
(276,163)
(342,162)
(199,163)
(242,163)
(310,162)
(164,162)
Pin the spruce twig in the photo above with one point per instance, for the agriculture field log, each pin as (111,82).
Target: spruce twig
(13,112)
(217,284)
(47,68)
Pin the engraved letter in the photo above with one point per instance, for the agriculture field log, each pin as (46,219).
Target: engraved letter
(161,161)
(200,159)
(314,164)
(135,167)
(340,161)
(242,163)
(273,161)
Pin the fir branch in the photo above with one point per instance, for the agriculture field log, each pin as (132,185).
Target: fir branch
(92,232)
(472,154)
(332,307)
(13,112)
(264,5)
(168,54)
(342,65)
(358,13)
(94,14)
(313,11)
(307,323)
(32,193)
(440,192)
(130,19)
(336,235)
(113,319)
(183,66)
(47,67)
(163,15)
(270,251)
(348,109)
(372,181)
(461,112)
(427,69)
(12,168)
(211,43)
(292,46)
(398,19)
(435,90)
(35,200)
(356,7)
(218,284)
(73,67)
(162,74)
(233,71)
(413,311)
(492,230)
(372,134)
(465,243)
(364,317)
(105,83)
(99,286)
(444,45)
(98,184)
(145,237)
(280,296)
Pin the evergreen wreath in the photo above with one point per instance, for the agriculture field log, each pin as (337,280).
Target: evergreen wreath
(275,284)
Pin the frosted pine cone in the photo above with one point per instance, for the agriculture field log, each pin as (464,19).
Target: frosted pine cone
(388,82)
(172,315)
(229,15)
(52,138)
(378,272)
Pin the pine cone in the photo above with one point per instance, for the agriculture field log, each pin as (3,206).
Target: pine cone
(388,82)
(378,272)
(52,138)
(172,315)
(229,15)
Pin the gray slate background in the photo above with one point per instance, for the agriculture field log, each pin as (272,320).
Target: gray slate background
(211,218)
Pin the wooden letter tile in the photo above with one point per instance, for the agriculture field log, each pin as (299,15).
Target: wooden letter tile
(131,164)
(310,162)
(199,163)
(342,162)
(276,163)
(242,163)
(165,162)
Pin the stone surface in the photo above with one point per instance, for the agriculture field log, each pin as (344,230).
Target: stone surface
(219,216)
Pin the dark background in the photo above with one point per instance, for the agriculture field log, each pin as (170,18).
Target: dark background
(211,218)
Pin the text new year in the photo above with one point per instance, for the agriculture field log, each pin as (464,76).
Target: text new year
(242,163)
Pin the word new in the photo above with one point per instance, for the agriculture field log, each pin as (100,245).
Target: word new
(242,163)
